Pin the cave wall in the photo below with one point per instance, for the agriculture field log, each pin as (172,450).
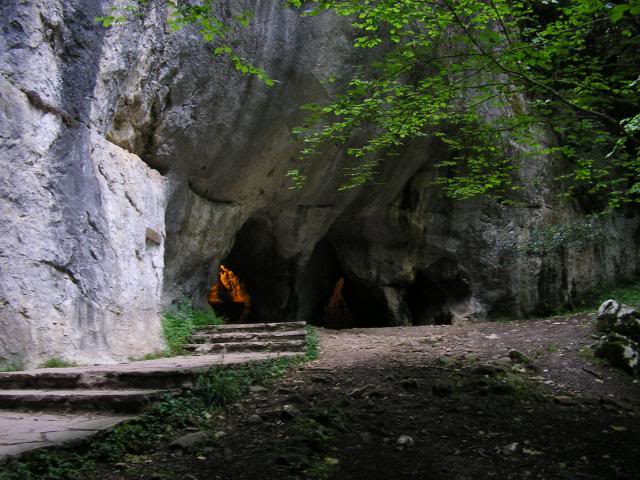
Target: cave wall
(107,133)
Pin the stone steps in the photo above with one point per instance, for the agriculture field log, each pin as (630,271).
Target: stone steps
(120,387)
(274,346)
(248,336)
(127,387)
(112,400)
(251,327)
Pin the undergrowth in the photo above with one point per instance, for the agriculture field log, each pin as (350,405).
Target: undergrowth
(11,366)
(221,386)
(179,322)
(56,362)
(213,391)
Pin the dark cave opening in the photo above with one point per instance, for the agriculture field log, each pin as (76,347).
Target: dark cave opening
(228,296)
(332,297)
(258,280)
(436,293)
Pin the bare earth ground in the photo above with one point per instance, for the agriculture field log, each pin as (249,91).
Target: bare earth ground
(420,402)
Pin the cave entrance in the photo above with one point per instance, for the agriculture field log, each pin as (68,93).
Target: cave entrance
(439,295)
(228,296)
(336,312)
(331,297)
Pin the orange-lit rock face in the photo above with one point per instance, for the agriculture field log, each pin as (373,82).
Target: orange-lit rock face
(336,302)
(228,289)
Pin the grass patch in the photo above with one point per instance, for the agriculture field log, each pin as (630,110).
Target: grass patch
(179,322)
(11,366)
(628,294)
(312,346)
(222,386)
(57,363)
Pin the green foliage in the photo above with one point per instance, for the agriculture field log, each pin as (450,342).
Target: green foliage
(204,16)
(179,322)
(627,293)
(11,366)
(57,363)
(312,346)
(576,235)
(133,436)
(478,74)
(222,386)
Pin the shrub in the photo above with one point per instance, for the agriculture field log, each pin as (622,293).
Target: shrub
(57,363)
(179,322)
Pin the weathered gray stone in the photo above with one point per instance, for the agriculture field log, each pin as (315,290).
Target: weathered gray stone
(189,441)
(621,352)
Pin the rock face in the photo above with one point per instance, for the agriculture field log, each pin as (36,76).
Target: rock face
(133,162)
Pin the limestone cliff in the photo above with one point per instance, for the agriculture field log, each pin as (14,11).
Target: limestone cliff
(133,162)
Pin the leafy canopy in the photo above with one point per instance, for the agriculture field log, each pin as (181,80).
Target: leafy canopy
(558,76)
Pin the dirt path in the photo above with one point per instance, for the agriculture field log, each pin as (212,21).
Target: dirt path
(427,402)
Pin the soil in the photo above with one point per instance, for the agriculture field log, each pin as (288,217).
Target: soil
(491,400)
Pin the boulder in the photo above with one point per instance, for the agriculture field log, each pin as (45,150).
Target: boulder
(607,315)
(618,318)
(620,351)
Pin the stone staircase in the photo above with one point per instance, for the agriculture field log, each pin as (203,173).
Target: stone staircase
(127,387)
(249,337)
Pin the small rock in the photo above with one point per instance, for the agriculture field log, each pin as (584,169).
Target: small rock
(502,389)
(257,389)
(228,454)
(443,361)
(564,400)
(320,379)
(509,449)
(284,391)
(518,357)
(442,389)
(189,441)
(290,411)
(502,361)
(409,384)
(488,370)
(295,398)
(121,465)
(254,419)
(405,440)
(366,391)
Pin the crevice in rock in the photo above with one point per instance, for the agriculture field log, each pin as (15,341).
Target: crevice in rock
(64,269)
